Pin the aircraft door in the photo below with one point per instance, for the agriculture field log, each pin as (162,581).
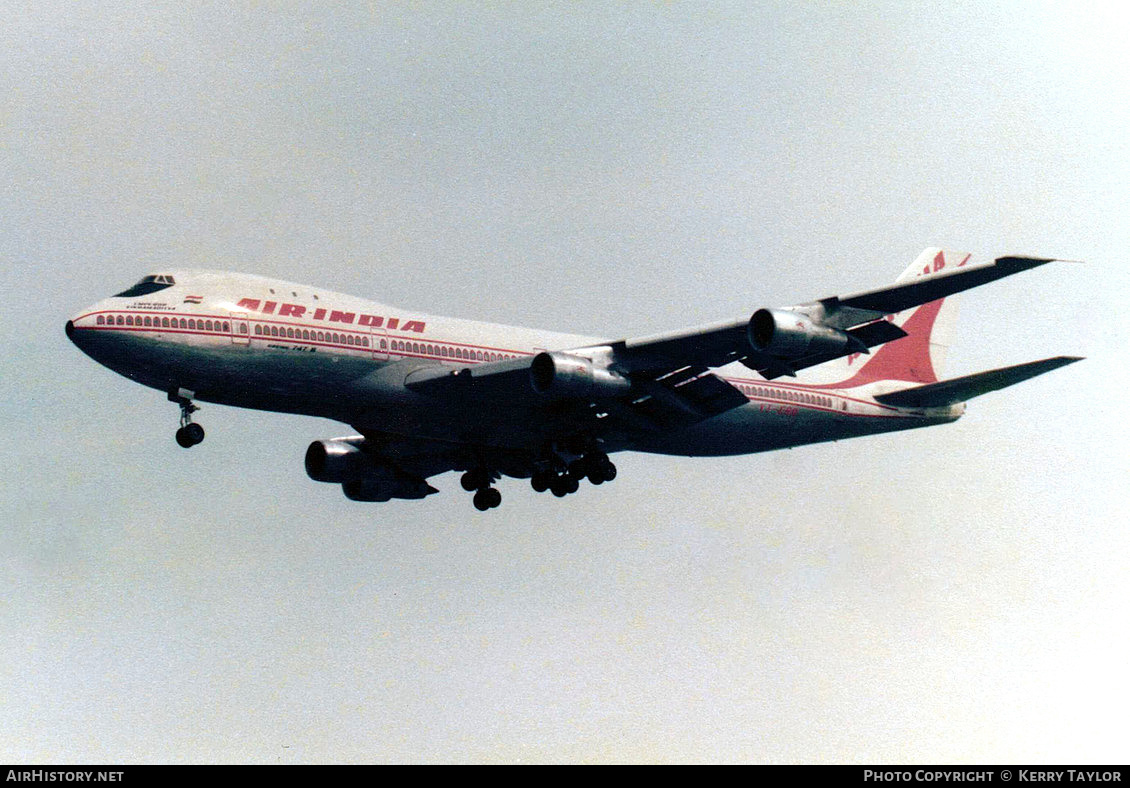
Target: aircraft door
(378,343)
(240,329)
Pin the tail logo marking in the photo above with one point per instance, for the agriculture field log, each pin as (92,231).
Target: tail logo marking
(940,263)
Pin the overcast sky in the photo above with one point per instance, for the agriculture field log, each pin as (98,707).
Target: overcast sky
(956,594)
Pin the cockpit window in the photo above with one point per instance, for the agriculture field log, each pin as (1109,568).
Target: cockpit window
(148,284)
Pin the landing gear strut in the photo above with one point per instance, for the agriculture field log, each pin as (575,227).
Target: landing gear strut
(190,433)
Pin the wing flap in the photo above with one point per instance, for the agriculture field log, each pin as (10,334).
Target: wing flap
(950,392)
(680,399)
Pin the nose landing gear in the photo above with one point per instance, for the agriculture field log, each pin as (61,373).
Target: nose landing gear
(190,433)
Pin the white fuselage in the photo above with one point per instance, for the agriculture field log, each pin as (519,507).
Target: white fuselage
(261,343)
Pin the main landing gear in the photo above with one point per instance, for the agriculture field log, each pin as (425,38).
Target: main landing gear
(479,480)
(553,471)
(564,480)
(190,433)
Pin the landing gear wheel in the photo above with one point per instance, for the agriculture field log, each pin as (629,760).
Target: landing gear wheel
(475,479)
(540,481)
(564,485)
(487,498)
(194,432)
(189,435)
(597,467)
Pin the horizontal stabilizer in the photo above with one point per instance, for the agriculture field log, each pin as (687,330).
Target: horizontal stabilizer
(950,392)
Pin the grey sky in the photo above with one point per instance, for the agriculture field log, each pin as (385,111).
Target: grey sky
(954,594)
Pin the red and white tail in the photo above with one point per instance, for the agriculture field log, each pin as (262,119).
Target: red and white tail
(919,356)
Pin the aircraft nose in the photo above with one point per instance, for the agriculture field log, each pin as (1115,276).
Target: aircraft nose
(77,328)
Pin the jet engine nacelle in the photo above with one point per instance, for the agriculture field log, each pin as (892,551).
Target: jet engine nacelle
(565,375)
(379,490)
(338,460)
(794,335)
(342,461)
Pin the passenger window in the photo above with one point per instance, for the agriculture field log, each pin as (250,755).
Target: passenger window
(101,320)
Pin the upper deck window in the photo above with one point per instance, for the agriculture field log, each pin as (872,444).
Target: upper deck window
(148,284)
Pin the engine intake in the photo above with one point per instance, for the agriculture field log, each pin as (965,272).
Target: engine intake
(794,335)
(362,478)
(338,460)
(565,375)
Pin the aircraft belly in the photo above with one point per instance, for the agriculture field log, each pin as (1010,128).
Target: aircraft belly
(216,370)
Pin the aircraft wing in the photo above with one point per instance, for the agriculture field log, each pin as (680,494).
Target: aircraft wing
(664,381)
(841,312)
(859,316)
(664,399)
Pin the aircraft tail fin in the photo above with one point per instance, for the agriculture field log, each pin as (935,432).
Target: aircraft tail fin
(920,356)
(951,392)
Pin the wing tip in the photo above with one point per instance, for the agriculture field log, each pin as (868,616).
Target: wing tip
(1023,262)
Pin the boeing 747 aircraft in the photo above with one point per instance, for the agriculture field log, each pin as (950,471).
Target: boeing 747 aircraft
(427,395)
